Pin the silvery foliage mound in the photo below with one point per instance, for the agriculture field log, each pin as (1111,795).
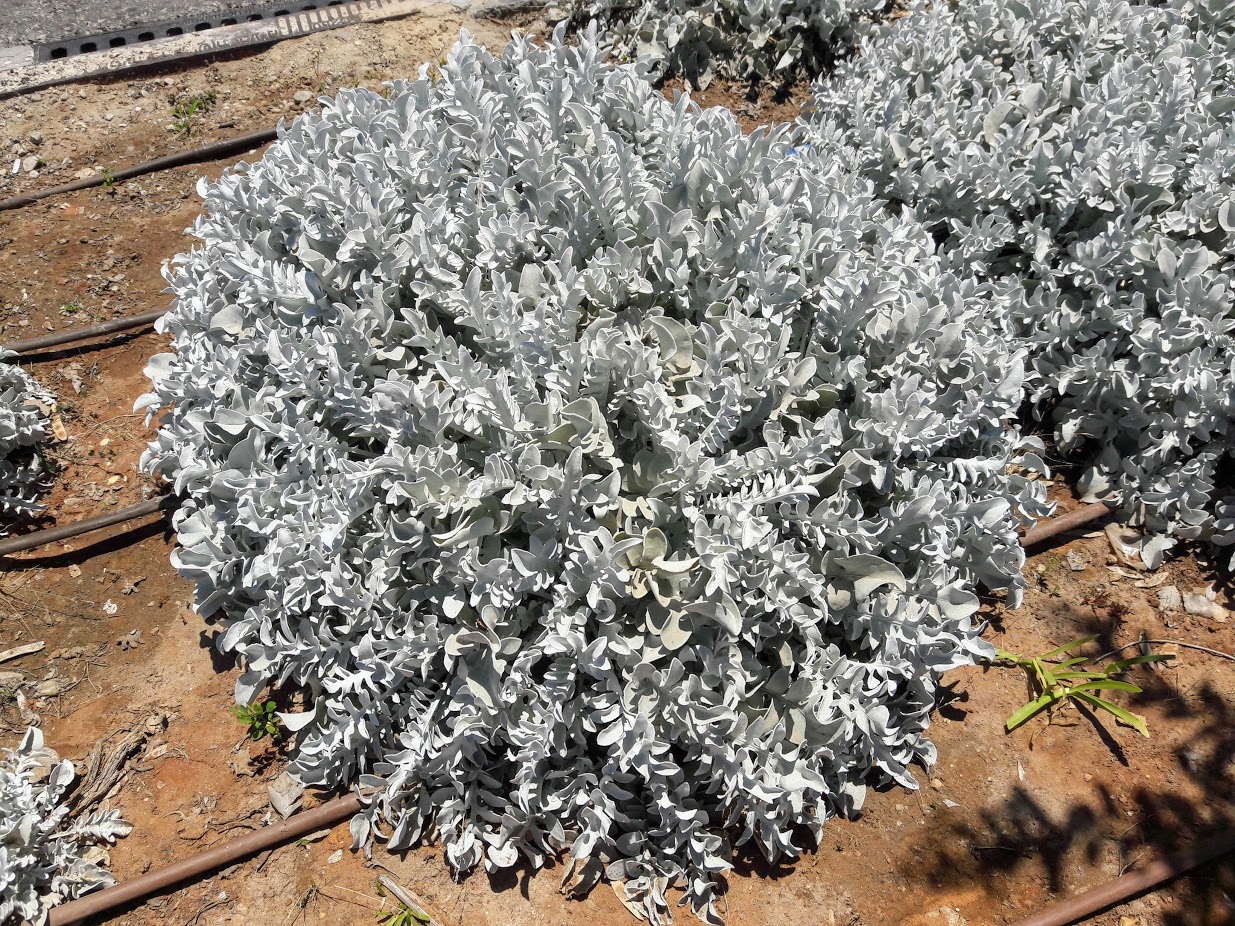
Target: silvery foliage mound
(698,39)
(612,482)
(22,425)
(41,853)
(1079,154)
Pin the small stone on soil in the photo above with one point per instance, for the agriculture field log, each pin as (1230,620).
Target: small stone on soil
(1202,603)
(49,688)
(1169,599)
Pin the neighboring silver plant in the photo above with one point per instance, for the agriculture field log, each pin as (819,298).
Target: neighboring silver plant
(698,39)
(1080,156)
(43,855)
(610,481)
(23,423)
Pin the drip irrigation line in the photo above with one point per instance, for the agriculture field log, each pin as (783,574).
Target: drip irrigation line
(1053,527)
(1135,882)
(334,812)
(327,815)
(64,531)
(210,152)
(69,335)
(1195,646)
(1044,530)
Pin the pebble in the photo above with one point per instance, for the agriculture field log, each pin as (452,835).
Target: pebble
(302,96)
(1202,603)
(49,688)
(1169,599)
(30,164)
(36,138)
(11,681)
(937,783)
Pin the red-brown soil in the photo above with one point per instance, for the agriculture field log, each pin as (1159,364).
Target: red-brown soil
(1004,824)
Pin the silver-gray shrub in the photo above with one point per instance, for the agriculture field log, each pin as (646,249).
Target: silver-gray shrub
(42,851)
(611,482)
(1080,156)
(23,424)
(699,39)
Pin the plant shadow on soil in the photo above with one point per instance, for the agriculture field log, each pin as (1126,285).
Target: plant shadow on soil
(127,537)
(78,352)
(1149,823)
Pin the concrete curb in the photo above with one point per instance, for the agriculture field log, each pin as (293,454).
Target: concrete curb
(23,75)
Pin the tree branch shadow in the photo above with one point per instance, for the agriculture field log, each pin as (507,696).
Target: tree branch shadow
(1022,835)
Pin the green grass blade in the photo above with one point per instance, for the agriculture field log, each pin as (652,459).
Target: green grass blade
(1069,663)
(1121,664)
(1067,646)
(1033,707)
(1135,721)
(1105,684)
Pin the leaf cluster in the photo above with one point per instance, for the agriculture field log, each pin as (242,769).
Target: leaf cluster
(261,719)
(1051,683)
(1077,157)
(611,483)
(24,407)
(41,849)
(701,39)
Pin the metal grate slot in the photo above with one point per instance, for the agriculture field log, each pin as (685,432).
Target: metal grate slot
(148,32)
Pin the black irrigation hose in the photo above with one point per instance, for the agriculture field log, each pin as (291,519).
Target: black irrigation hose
(68,335)
(211,152)
(65,531)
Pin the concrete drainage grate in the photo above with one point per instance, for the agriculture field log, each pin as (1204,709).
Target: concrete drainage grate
(67,48)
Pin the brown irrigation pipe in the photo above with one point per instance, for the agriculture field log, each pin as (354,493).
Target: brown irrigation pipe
(65,531)
(339,809)
(1043,531)
(1053,527)
(221,856)
(211,152)
(1131,884)
(68,335)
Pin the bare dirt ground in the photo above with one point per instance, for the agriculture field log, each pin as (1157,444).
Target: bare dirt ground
(1001,826)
